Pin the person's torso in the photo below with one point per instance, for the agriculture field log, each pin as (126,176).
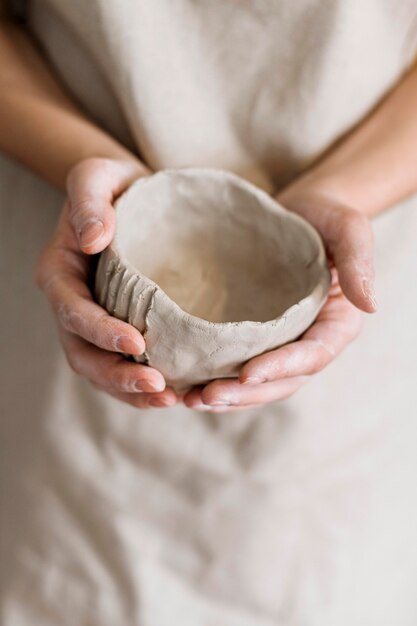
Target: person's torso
(259,87)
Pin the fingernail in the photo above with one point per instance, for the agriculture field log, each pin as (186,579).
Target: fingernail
(253,380)
(91,232)
(129,346)
(159,402)
(369,293)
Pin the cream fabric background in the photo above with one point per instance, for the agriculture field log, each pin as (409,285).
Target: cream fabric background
(299,513)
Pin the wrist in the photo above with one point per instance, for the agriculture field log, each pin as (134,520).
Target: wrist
(327,189)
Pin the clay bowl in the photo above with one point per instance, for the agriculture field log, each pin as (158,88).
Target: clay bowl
(211,270)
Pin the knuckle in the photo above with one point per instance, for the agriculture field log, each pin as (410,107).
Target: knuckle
(282,365)
(85,167)
(350,215)
(324,355)
(67,318)
(81,210)
(103,330)
(353,220)
(125,384)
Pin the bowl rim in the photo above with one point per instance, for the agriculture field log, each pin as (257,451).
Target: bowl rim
(317,294)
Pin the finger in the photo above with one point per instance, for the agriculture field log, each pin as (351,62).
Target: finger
(229,392)
(350,243)
(348,236)
(336,326)
(79,314)
(92,187)
(192,400)
(143,400)
(109,370)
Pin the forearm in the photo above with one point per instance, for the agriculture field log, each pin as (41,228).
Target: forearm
(375,166)
(39,124)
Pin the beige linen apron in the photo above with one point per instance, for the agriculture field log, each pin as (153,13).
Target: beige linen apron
(299,513)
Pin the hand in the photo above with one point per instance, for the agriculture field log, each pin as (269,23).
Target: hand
(277,374)
(92,339)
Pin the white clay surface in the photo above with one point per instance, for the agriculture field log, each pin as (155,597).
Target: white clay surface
(212,270)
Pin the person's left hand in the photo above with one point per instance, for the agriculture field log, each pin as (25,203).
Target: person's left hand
(276,375)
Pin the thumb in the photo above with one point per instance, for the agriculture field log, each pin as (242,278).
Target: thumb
(351,246)
(92,187)
(348,237)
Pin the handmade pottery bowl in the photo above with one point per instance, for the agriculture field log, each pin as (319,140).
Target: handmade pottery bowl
(211,270)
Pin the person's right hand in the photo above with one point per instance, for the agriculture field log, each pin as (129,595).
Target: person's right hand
(92,339)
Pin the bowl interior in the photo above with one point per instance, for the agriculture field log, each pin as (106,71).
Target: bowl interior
(220,251)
